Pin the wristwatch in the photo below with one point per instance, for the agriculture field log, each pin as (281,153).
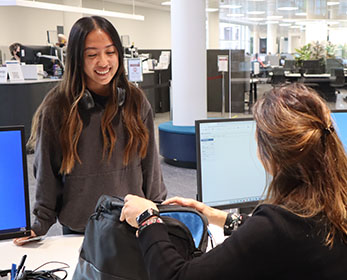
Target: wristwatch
(145,215)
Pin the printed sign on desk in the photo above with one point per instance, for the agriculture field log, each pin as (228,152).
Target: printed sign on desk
(135,70)
(223,63)
(3,74)
(14,71)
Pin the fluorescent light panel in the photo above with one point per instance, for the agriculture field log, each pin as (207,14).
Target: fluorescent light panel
(333,3)
(231,6)
(256,12)
(66,8)
(288,8)
(235,15)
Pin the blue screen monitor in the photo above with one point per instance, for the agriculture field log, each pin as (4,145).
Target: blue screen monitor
(229,173)
(340,119)
(14,196)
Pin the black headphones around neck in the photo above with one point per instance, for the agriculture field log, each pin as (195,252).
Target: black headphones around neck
(87,100)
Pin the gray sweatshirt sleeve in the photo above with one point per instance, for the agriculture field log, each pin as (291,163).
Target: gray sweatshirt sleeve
(153,183)
(46,171)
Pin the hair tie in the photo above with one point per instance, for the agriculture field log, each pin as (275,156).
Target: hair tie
(328,130)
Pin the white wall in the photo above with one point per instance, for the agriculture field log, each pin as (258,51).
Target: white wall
(28,26)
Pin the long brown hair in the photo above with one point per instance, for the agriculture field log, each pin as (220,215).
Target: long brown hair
(71,89)
(299,146)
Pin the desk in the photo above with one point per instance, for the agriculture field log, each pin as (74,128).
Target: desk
(63,248)
(20,99)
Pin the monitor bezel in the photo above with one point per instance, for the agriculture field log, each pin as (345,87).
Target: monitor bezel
(12,233)
(243,205)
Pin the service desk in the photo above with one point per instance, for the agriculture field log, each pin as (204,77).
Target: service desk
(20,99)
(63,248)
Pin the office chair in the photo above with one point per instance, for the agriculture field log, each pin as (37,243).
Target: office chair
(337,78)
(278,76)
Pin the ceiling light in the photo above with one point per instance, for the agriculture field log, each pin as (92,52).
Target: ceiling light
(301,14)
(231,6)
(211,10)
(333,3)
(166,3)
(301,23)
(295,26)
(66,8)
(256,12)
(288,8)
(256,19)
(274,17)
(235,15)
(289,20)
(284,24)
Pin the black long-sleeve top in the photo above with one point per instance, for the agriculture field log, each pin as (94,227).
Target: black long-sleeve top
(272,244)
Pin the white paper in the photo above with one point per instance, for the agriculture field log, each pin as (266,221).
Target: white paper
(135,70)
(3,74)
(14,71)
(222,63)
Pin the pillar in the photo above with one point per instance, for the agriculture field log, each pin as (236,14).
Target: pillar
(271,45)
(188,37)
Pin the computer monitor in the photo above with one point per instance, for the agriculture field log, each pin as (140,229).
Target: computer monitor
(289,65)
(340,119)
(229,173)
(14,195)
(333,63)
(312,67)
(273,60)
(31,55)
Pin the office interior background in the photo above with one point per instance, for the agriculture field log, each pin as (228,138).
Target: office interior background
(269,32)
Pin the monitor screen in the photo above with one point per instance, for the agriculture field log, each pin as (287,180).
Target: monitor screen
(14,196)
(312,66)
(29,55)
(340,119)
(229,173)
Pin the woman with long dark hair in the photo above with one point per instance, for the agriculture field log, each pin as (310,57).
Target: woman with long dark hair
(298,232)
(93,134)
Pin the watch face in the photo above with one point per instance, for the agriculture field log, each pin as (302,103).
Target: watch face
(146,215)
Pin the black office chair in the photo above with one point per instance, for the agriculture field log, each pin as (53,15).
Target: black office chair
(337,78)
(278,76)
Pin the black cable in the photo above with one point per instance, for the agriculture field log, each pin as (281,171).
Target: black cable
(45,274)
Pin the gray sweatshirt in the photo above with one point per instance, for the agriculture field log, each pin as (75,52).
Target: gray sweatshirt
(72,198)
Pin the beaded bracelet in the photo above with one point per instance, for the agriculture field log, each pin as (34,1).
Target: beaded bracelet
(152,220)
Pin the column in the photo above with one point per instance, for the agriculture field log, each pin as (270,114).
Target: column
(255,39)
(271,44)
(188,37)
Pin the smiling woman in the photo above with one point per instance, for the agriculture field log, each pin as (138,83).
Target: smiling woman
(93,134)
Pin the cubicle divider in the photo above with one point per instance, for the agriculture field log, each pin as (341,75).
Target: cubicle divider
(240,80)
(156,85)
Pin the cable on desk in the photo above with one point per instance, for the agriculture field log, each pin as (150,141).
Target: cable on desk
(45,274)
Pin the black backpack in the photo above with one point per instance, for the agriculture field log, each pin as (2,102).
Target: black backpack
(110,249)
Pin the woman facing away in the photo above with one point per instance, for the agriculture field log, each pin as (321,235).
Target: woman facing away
(93,134)
(299,231)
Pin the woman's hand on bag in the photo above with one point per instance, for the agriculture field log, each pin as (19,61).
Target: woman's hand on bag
(133,207)
(214,216)
(21,241)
